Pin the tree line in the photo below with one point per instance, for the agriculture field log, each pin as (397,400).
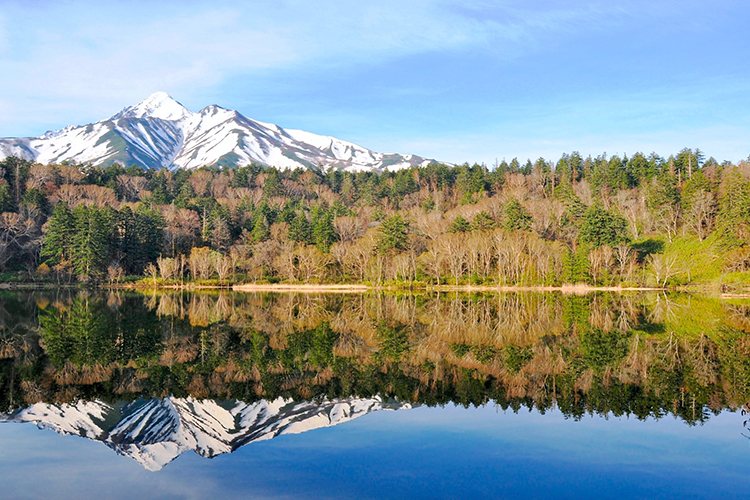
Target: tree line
(602,220)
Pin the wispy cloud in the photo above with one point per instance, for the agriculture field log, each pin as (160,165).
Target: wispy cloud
(458,80)
(107,55)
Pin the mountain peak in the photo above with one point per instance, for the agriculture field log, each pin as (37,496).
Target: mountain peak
(157,105)
(159,132)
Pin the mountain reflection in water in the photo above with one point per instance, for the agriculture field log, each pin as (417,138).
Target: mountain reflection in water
(156,431)
(211,372)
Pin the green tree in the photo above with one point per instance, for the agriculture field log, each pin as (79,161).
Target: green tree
(404,183)
(90,241)
(185,196)
(159,189)
(323,232)
(137,239)
(576,265)
(483,221)
(459,225)
(515,216)
(58,237)
(734,207)
(6,199)
(603,227)
(299,229)
(601,349)
(16,172)
(393,234)
(37,199)
(261,229)
(273,186)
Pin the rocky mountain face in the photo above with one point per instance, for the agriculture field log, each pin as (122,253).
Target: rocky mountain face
(153,432)
(159,132)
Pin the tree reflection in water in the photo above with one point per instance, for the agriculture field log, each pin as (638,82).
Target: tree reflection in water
(645,355)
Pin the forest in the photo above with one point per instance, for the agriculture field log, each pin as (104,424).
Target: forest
(643,220)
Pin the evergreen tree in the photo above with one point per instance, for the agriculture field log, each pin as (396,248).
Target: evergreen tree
(58,238)
(288,214)
(16,172)
(37,199)
(273,186)
(299,229)
(348,188)
(576,266)
(323,232)
(515,216)
(261,229)
(459,225)
(92,234)
(661,191)
(138,238)
(6,199)
(483,221)
(185,196)
(393,234)
(698,182)
(159,192)
(404,183)
(734,207)
(602,227)
(149,226)
(514,166)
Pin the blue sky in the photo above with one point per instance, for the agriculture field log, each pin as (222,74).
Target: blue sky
(469,80)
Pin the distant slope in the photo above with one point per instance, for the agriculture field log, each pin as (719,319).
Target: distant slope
(159,132)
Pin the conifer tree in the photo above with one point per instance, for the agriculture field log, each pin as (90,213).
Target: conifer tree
(299,229)
(392,234)
(459,225)
(89,249)
(57,241)
(515,216)
(602,227)
(261,230)
(323,232)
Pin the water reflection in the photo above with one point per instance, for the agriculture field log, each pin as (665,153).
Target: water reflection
(68,360)
(156,431)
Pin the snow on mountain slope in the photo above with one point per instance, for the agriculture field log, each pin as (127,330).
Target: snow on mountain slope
(159,132)
(156,431)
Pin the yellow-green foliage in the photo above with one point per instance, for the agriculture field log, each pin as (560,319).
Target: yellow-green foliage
(698,262)
(690,316)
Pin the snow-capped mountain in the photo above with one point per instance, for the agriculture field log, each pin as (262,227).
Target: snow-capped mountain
(161,133)
(156,431)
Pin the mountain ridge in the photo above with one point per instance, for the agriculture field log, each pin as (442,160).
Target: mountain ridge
(159,132)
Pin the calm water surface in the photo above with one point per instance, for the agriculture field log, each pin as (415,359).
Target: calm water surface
(370,396)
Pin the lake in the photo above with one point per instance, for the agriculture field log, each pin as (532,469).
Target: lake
(191,395)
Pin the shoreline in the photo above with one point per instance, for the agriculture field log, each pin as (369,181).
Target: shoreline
(566,289)
(578,289)
(301,288)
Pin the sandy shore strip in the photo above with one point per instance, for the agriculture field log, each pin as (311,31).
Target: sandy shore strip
(301,288)
(577,289)
(343,288)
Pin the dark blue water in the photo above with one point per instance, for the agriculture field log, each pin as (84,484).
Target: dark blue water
(449,452)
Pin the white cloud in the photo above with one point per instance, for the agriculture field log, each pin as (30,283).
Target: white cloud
(117,53)
(79,62)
